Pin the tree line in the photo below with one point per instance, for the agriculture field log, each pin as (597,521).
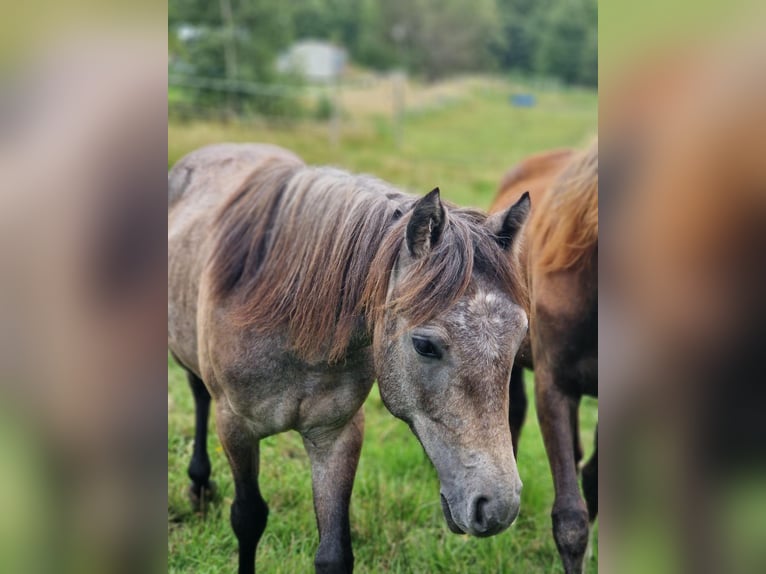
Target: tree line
(429,38)
(241,39)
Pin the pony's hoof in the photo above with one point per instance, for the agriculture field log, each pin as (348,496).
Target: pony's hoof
(201,496)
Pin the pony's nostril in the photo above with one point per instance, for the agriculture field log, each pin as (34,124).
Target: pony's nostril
(480,512)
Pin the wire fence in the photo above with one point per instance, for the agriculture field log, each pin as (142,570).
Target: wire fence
(222,99)
(389,100)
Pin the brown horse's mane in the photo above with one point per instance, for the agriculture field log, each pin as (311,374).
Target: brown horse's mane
(563,228)
(309,251)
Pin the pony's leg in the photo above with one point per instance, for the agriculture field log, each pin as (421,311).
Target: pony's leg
(590,481)
(201,489)
(518,405)
(334,457)
(569,515)
(249,512)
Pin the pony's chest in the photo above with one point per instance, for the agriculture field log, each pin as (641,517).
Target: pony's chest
(331,402)
(294,396)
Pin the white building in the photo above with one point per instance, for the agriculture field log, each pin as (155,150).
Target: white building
(315,60)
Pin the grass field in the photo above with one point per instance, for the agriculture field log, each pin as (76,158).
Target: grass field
(463,146)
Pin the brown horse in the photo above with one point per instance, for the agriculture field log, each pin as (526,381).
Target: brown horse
(291,288)
(534,175)
(559,251)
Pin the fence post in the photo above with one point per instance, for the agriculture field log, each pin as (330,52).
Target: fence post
(397,81)
(335,117)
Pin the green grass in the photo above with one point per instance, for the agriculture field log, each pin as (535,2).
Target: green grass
(397,523)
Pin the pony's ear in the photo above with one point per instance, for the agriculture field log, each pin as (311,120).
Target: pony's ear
(506,224)
(426,224)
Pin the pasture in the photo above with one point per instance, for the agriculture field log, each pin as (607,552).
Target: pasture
(463,144)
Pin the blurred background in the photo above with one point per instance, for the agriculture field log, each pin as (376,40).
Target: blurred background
(422,94)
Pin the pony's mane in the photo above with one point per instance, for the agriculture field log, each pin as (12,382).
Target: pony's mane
(563,227)
(309,251)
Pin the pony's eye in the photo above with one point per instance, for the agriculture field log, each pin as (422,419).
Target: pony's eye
(426,348)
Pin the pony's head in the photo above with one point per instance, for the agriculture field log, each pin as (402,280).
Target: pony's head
(449,318)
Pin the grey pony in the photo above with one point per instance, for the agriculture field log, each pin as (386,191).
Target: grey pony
(446,377)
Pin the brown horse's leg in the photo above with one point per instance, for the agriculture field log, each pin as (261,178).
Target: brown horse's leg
(249,512)
(574,417)
(334,456)
(570,516)
(590,481)
(201,489)
(518,405)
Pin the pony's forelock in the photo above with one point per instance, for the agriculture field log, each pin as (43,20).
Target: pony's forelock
(436,281)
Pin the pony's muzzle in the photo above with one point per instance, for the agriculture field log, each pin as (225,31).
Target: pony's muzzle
(488,516)
(484,515)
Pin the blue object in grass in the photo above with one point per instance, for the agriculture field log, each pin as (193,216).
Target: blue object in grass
(523,100)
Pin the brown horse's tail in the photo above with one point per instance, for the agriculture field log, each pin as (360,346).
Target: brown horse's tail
(563,229)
